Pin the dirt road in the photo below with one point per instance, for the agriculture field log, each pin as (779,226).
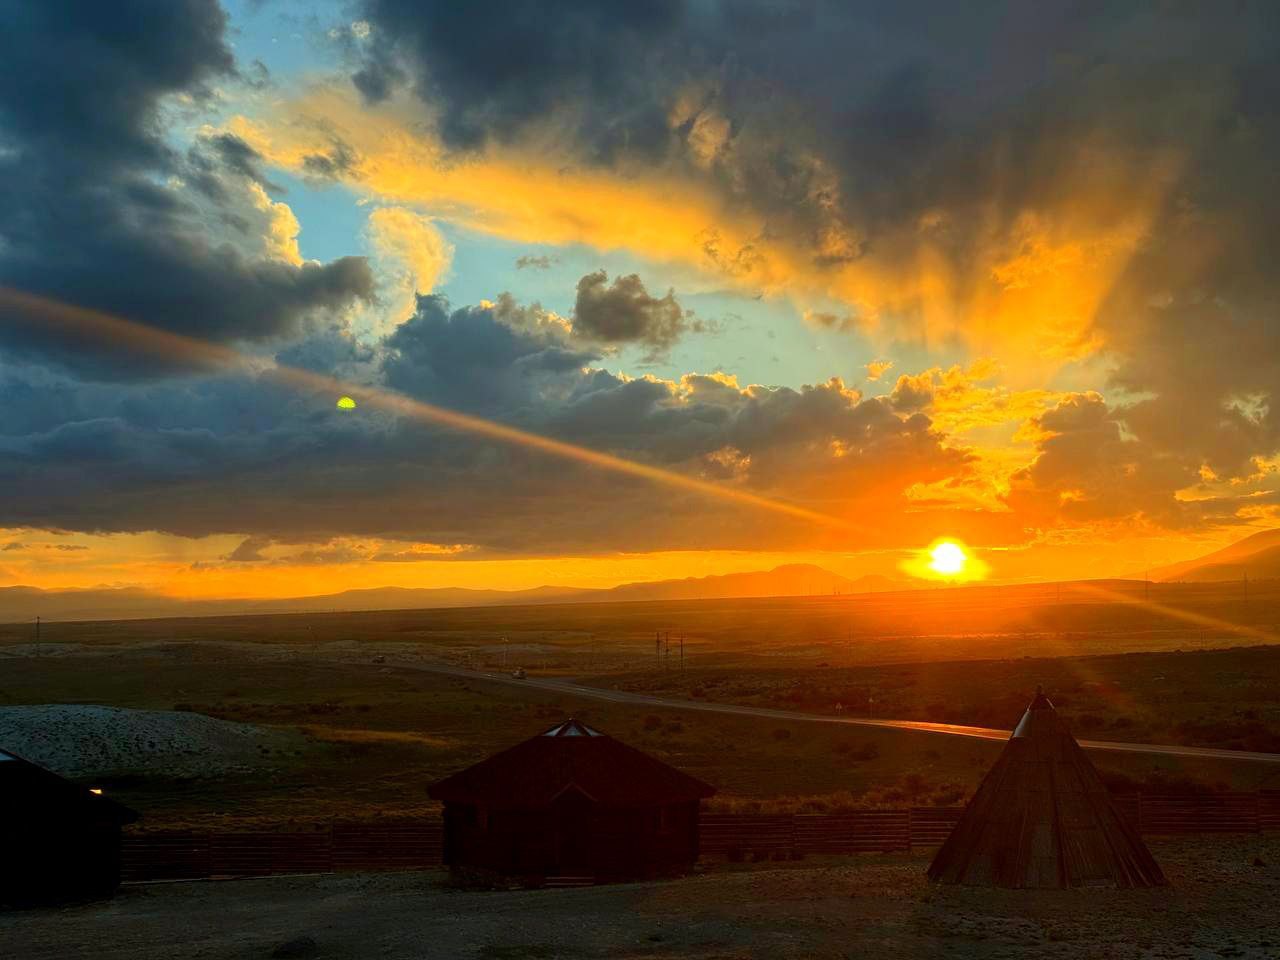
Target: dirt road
(569,688)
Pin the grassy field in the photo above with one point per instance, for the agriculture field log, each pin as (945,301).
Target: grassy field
(1218,698)
(376,734)
(917,626)
(376,729)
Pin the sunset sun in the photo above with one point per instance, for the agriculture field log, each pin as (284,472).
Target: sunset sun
(945,559)
(948,559)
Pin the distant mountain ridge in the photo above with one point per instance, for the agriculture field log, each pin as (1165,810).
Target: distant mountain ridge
(788,580)
(130,603)
(1256,556)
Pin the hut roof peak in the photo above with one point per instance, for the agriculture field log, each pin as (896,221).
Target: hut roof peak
(572,728)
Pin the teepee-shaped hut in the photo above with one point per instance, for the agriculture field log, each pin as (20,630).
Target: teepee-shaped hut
(1043,818)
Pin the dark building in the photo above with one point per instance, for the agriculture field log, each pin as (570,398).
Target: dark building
(1042,817)
(58,840)
(570,803)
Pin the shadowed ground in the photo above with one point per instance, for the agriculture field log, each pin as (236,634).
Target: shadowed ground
(1221,904)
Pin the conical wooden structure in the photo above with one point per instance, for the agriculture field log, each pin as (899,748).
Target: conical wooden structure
(1043,818)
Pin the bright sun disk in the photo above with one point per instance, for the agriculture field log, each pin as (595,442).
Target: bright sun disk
(947,559)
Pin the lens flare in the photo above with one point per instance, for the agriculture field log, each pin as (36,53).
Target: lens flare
(165,347)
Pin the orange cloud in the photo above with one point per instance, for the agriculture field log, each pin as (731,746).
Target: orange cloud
(1027,289)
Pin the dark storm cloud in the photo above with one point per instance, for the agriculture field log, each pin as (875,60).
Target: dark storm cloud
(210,455)
(497,361)
(249,551)
(625,312)
(495,65)
(860,130)
(237,157)
(89,209)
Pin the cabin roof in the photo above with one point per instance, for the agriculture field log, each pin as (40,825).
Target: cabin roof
(567,757)
(30,790)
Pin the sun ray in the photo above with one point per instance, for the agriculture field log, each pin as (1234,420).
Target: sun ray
(116,332)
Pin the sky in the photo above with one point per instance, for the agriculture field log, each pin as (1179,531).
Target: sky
(779,281)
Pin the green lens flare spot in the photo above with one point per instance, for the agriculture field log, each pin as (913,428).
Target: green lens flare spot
(346,403)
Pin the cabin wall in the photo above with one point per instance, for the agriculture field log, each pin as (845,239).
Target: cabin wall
(57,861)
(608,843)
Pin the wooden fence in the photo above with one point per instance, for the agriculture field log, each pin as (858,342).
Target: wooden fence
(336,848)
(417,845)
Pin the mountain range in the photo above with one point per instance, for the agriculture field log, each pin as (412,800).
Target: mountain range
(130,603)
(1256,556)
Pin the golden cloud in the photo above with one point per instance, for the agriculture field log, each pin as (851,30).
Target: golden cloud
(1028,291)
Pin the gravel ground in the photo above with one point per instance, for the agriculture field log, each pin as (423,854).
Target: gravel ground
(86,741)
(1222,904)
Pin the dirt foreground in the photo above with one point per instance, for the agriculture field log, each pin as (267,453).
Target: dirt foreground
(1222,904)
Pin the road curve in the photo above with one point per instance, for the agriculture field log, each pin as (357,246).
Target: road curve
(569,688)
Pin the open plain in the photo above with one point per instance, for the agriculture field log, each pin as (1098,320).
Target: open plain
(353,722)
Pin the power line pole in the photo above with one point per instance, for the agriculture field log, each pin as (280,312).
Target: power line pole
(37,637)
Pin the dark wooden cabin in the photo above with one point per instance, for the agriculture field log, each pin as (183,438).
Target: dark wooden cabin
(1042,817)
(58,840)
(570,803)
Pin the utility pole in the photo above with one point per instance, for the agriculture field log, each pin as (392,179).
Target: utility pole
(657,646)
(37,636)
(682,653)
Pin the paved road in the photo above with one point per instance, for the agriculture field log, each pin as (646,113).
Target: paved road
(569,688)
